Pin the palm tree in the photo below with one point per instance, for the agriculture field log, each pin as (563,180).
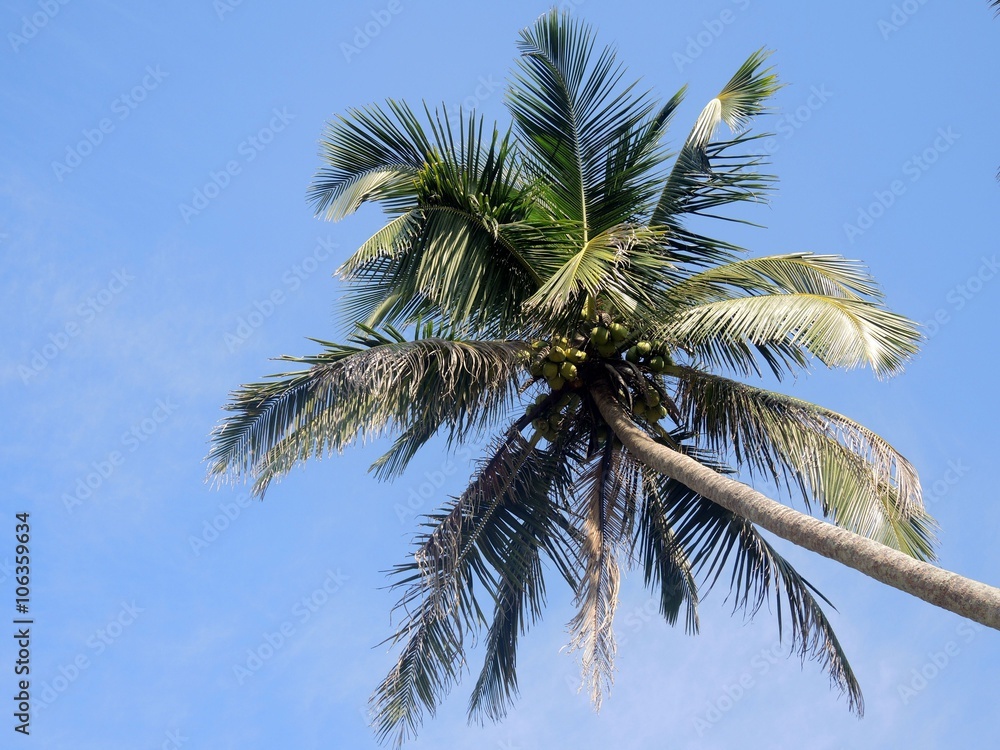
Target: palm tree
(545,285)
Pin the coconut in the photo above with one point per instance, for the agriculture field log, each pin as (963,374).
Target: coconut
(536,344)
(557,354)
(607,350)
(652,397)
(644,347)
(568,370)
(661,410)
(632,355)
(618,332)
(599,335)
(540,424)
(657,364)
(550,369)
(556,383)
(535,369)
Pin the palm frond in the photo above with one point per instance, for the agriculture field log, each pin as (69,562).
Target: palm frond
(838,331)
(706,174)
(576,119)
(492,535)
(431,661)
(379,384)
(449,253)
(666,568)
(621,265)
(805,273)
(860,481)
(715,539)
(604,494)
(370,154)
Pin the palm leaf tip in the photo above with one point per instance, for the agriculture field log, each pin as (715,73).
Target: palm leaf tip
(740,100)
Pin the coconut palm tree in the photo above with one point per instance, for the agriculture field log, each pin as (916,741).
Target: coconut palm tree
(548,286)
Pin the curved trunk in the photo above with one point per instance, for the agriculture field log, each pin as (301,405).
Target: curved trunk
(947,590)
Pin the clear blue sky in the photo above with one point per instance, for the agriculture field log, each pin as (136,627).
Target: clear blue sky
(158,249)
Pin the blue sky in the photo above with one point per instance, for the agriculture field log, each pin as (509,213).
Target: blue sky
(158,249)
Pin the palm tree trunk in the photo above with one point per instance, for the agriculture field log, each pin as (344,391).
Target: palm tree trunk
(972,599)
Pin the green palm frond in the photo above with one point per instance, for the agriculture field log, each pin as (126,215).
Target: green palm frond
(448,253)
(805,273)
(370,154)
(492,535)
(621,265)
(666,568)
(431,661)
(380,384)
(709,174)
(715,539)
(838,331)
(860,481)
(577,120)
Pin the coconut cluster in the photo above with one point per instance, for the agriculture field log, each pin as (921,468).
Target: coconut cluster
(548,421)
(559,363)
(648,406)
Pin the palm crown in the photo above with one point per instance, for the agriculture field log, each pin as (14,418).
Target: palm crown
(521,275)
